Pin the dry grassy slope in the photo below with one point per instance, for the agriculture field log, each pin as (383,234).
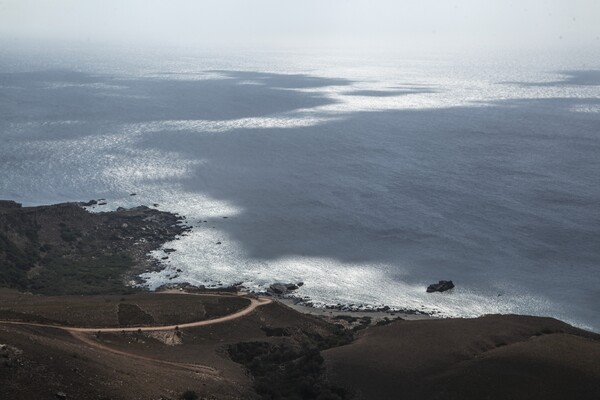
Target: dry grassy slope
(52,361)
(116,310)
(207,344)
(492,357)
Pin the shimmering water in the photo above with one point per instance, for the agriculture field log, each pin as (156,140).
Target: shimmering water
(365,176)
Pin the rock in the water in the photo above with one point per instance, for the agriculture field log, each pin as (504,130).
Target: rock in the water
(282,288)
(278,288)
(60,395)
(441,286)
(90,203)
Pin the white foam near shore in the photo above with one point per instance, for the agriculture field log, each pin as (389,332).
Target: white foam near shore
(327,282)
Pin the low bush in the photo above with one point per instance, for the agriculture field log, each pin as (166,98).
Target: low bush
(189,395)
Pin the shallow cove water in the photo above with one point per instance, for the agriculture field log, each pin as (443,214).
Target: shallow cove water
(367,177)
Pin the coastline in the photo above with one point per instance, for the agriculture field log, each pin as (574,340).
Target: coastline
(66,249)
(133,233)
(330,314)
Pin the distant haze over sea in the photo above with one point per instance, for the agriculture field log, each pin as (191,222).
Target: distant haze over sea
(366,176)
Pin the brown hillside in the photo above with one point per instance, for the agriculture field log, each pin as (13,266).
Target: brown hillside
(492,357)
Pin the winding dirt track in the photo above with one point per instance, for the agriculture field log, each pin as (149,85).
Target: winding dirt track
(81,334)
(254,303)
(238,314)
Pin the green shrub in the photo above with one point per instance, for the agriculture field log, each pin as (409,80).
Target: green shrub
(286,370)
(189,395)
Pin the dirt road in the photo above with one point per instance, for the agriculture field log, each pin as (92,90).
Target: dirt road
(254,303)
(82,334)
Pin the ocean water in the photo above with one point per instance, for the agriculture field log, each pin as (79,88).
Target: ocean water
(366,176)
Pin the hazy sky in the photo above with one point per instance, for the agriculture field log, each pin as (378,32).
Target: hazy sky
(306,23)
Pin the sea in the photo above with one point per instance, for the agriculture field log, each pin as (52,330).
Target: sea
(366,175)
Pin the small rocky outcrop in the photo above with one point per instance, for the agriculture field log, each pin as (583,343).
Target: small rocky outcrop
(278,288)
(282,288)
(441,286)
(9,204)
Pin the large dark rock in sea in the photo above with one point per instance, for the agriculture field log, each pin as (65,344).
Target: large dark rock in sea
(282,288)
(441,286)
(278,288)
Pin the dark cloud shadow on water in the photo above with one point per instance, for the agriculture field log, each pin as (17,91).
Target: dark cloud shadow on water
(588,77)
(513,185)
(285,81)
(58,95)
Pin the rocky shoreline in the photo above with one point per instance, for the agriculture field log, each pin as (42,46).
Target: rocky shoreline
(285,293)
(77,233)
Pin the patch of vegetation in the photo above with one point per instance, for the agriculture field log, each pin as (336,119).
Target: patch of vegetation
(15,263)
(93,275)
(282,371)
(363,322)
(216,306)
(339,337)
(384,321)
(51,249)
(189,395)
(131,314)
(10,314)
(68,234)
(544,331)
(275,331)
(291,370)
(348,318)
